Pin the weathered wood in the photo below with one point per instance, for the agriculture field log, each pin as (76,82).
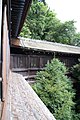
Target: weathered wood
(30,64)
(6,61)
(26,69)
(30,77)
(0,58)
(0,25)
(0,35)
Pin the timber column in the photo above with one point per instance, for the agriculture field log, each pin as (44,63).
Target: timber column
(0,57)
(0,34)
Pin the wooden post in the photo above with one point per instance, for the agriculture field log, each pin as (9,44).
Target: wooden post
(0,34)
(6,62)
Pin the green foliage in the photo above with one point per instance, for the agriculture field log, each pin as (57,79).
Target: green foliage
(42,23)
(76,116)
(76,76)
(36,19)
(76,72)
(65,32)
(55,90)
(25,31)
(76,40)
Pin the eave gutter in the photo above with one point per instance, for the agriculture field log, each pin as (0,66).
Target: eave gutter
(24,14)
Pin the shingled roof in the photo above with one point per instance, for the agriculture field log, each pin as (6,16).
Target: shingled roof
(27,43)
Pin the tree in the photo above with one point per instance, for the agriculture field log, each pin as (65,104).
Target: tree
(42,23)
(76,72)
(51,24)
(76,76)
(42,1)
(25,31)
(65,32)
(55,90)
(76,40)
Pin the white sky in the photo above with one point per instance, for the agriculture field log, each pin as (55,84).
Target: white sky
(66,10)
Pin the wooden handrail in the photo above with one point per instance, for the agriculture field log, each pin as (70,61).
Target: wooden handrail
(26,69)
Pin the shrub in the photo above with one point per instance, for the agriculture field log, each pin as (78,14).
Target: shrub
(76,76)
(76,72)
(55,90)
(76,116)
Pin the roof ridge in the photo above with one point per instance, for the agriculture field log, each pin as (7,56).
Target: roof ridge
(48,42)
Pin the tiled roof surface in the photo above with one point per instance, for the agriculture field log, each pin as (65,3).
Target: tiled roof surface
(45,45)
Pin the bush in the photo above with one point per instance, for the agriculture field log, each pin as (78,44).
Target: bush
(55,90)
(76,76)
(76,116)
(76,72)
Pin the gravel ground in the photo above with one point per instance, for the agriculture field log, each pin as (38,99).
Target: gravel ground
(23,103)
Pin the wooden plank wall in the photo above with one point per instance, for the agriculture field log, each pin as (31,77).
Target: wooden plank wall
(28,65)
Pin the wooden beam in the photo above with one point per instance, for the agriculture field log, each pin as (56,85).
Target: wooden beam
(0,32)
(6,62)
